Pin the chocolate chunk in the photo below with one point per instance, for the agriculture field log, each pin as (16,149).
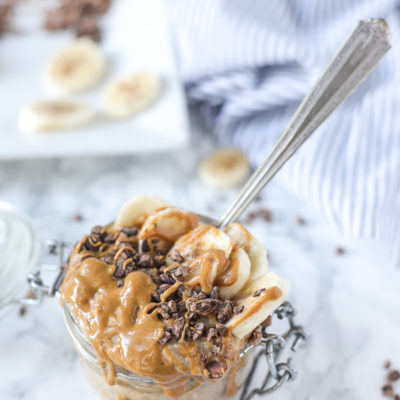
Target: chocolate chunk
(202,296)
(166,278)
(214,293)
(164,287)
(173,308)
(130,231)
(221,329)
(387,364)
(77,217)
(255,338)
(238,309)
(258,292)
(155,240)
(176,256)
(225,312)
(164,312)
(203,358)
(180,291)
(145,246)
(216,348)
(199,327)
(181,307)
(165,338)
(180,273)
(177,327)
(155,295)
(339,250)
(211,333)
(394,376)
(192,316)
(175,315)
(107,259)
(96,230)
(145,261)
(204,307)
(159,260)
(299,220)
(216,369)
(130,268)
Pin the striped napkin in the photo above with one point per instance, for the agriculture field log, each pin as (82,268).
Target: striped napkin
(250,63)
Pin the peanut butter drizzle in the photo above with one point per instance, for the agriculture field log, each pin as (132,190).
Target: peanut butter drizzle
(123,328)
(271,294)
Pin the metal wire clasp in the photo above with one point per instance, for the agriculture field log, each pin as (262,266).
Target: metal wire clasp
(40,290)
(273,345)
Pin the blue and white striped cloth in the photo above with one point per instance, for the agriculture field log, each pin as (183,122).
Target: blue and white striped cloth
(249,63)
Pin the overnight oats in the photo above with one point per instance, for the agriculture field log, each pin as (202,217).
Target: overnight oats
(166,305)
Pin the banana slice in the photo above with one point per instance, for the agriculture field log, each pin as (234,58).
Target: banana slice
(53,115)
(199,240)
(238,273)
(169,223)
(130,95)
(225,168)
(136,210)
(273,291)
(77,67)
(253,247)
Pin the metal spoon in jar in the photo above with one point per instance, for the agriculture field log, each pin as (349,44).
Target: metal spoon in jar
(355,60)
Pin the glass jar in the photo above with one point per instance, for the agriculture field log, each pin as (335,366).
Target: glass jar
(19,252)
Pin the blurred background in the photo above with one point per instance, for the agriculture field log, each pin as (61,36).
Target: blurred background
(103,100)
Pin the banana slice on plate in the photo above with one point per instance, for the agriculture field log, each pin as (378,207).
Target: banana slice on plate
(130,95)
(77,67)
(259,297)
(53,115)
(169,223)
(225,168)
(253,247)
(236,275)
(136,210)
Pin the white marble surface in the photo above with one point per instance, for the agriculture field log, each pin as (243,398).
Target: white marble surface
(349,303)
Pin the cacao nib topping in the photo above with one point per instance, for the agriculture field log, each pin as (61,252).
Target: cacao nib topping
(216,369)
(145,246)
(178,327)
(258,292)
(165,338)
(204,307)
(212,333)
(96,230)
(214,293)
(225,312)
(203,358)
(217,348)
(180,273)
(176,256)
(145,261)
(130,231)
(238,309)
(155,240)
(255,338)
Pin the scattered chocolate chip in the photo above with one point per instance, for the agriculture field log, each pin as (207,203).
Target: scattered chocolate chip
(266,214)
(155,240)
(221,329)
(120,283)
(387,390)
(176,256)
(216,348)
(159,260)
(22,311)
(164,312)
(145,261)
(214,293)
(192,316)
(258,292)
(164,287)
(77,217)
(165,338)
(299,220)
(145,245)
(182,306)
(130,231)
(255,338)
(387,364)
(238,309)
(202,296)
(166,278)
(216,369)
(339,250)
(225,312)
(177,327)
(96,230)
(155,295)
(173,308)
(267,322)
(180,291)
(394,376)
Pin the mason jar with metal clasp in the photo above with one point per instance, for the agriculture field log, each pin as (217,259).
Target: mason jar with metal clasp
(23,258)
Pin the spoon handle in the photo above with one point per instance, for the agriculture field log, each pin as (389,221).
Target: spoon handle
(355,60)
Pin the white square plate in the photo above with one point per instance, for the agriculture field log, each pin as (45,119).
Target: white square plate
(135,38)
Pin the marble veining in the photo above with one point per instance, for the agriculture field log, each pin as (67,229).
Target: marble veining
(349,303)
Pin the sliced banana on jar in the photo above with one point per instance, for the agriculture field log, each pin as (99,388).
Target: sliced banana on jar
(225,168)
(169,223)
(199,240)
(236,275)
(52,115)
(253,247)
(128,96)
(259,297)
(77,67)
(136,210)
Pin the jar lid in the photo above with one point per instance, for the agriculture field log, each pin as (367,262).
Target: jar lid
(19,251)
